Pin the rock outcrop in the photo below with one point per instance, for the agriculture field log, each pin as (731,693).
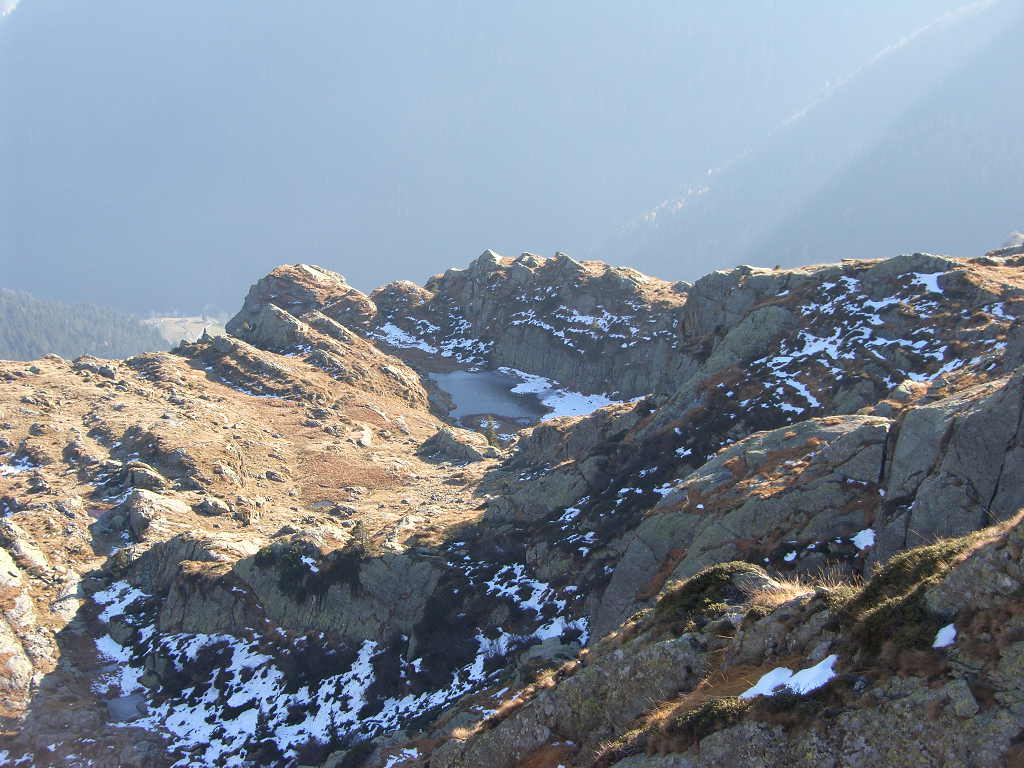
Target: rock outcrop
(927,689)
(296,290)
(799,492)
(581,323)
(458,446)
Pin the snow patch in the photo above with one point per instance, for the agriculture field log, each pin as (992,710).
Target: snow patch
(16,467)
(864,539)
(410,753)
(116,598)
(929,281)
(945,637)
(804,681)
(562,402)
(391,334)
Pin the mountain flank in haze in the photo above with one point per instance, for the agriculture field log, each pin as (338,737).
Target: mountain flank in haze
(889,162)
(32,327)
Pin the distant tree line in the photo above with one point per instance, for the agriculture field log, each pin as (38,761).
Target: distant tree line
(31,328)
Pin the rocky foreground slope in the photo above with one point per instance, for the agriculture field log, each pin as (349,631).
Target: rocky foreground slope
(268,548)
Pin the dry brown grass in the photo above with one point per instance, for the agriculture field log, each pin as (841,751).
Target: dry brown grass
(654,731)
(990,534)
(766,599)
(462,733)
(1015,756)
(776,461)
(324,470)
(775,475)
(548,756)
(544,680)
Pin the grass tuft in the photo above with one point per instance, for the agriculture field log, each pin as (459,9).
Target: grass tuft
(891,608)
(707,594)
(713,715)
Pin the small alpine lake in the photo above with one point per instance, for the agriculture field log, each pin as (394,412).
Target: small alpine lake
(511,397)
(489,393)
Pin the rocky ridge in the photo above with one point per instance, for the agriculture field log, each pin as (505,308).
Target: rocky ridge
(584,324)
(268,548)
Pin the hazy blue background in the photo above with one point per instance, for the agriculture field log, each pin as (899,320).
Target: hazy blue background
(159,156)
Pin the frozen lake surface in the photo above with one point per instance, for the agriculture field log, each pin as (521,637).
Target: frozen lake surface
(514,395)
(489,392)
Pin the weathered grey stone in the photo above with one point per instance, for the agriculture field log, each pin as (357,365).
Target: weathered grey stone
(961,700)
(141,754)
(795,628)
(750,337)
(655,761)
(924,263)
(214,507)
(535,501)
(700,523)
(494,295)
(299,289)
(274,328)
(95,365)
(952,465)
(17,618)
(752,745)
(596,702)
(155,569)
(138,474)
(388,595)
(16,670)
(552,443)
(22,548)
(142,508)
(458,445)
(550,651)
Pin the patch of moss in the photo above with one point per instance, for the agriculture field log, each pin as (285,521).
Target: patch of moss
(908,569)
(707,594)
(790,709)
(298,581)
(757,612)
(292,571)
(709,717)
(904,621)
(265,556)
(286,558)
(890,608)
(837,598)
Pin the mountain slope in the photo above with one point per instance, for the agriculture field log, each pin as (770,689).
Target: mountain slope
(273,551)
(958,151)
(777,203)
